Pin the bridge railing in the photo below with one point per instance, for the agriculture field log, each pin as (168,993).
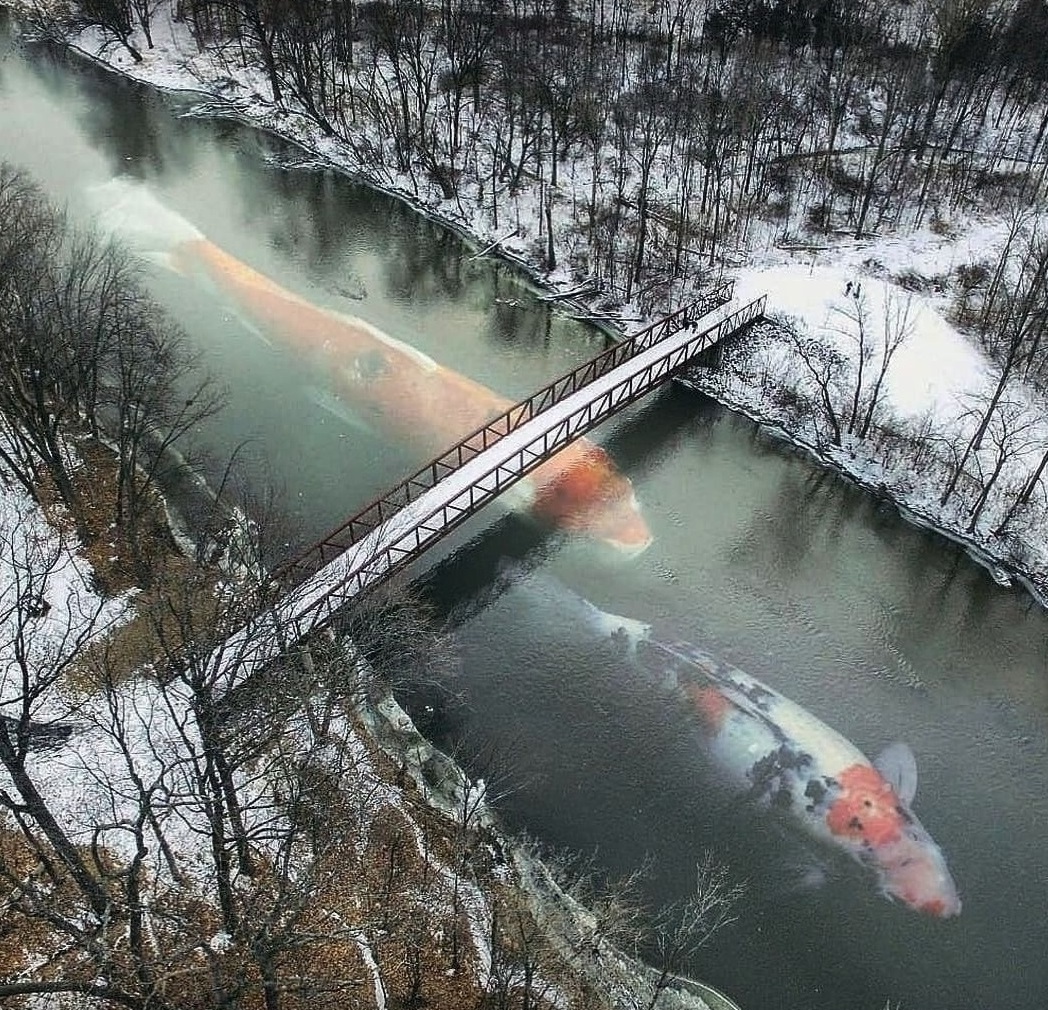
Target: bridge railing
(404,545)
(374,515)
(317,601)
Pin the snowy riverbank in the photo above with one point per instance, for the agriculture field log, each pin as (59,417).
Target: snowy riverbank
(87,766)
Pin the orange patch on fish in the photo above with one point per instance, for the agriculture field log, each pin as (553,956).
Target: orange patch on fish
(866,808)
(579,489)
(711,705)
(237,272)
(581,474)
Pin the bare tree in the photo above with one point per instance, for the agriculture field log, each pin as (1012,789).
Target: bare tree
(874,350)
(37,348)
(899,85)
(86,350)
(683,928)
(1024,496)
(1018,324)
(825,369)
(115,19)
(47,616)
(406,76)
(1011,434)
(154,399)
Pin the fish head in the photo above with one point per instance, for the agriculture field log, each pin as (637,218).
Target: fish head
(913,871)
(580,490)
(869,818)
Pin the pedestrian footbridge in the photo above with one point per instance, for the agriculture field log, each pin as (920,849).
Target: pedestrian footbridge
(408,519)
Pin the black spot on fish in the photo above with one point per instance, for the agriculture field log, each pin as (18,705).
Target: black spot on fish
(758,694)
(771,775)
(816,790)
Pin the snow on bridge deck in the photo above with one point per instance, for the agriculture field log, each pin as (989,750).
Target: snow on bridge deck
(421,522)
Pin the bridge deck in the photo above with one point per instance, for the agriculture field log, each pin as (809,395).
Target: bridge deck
(472,484)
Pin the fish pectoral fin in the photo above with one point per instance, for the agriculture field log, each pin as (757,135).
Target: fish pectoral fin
(807,878)
(804,867)
(899,767)
(798,871)
(251,328)
(332,405)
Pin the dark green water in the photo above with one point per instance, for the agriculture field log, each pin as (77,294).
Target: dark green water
(883,631)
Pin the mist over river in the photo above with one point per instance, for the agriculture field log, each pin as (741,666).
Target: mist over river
(883,631)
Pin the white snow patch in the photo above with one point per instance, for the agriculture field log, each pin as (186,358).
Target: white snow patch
(933,369)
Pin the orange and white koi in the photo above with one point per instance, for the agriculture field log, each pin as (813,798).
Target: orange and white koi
(785,758)
(399,390)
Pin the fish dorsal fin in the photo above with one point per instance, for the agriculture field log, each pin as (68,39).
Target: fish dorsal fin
(615,626)
(898,765)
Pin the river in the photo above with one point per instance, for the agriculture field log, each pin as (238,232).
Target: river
(884,631)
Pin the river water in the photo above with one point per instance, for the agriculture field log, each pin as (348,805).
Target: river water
(883,631)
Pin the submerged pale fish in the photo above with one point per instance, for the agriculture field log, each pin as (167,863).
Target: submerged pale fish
(769,749)
(785,758)
(400,389)
(824,793)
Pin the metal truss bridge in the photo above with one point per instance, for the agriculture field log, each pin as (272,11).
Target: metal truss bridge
(408,519)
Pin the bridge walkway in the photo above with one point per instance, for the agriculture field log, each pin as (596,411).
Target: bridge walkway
(401,525)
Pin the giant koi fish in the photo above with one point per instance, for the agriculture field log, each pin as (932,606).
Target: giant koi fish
(401,391)
(784,758)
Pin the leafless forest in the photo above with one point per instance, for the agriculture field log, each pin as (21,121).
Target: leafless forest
(695,124)
(645,148)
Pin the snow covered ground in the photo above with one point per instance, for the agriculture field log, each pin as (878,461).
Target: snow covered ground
(934,380)
(96,755)
(936,386)
(48,608)
(49,614)
(933,369)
